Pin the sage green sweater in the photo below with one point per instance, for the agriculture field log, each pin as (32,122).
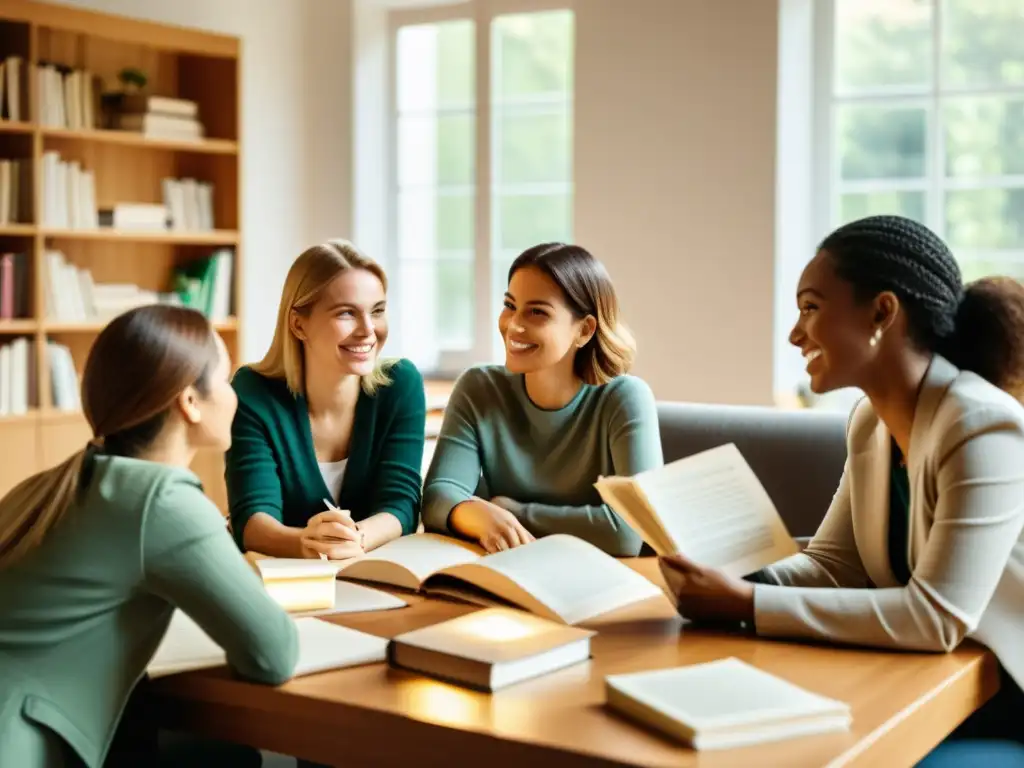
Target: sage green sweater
(82,615)
(495,442)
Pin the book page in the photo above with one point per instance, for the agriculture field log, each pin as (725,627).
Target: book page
(715,511)
(408,560)
(355,598)
(559,577)
(324,646)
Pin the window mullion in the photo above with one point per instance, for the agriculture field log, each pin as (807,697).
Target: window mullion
(483,228)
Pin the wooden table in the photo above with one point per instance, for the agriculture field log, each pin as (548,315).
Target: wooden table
(903,704)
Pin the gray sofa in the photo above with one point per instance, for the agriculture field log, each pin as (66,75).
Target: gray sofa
(797,455)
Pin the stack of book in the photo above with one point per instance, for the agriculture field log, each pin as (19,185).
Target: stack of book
(158,117)
(68,98)
(69,194)
(17,377)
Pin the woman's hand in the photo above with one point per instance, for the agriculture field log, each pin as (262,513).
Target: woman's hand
(495,528)
(706,593)
(332,533)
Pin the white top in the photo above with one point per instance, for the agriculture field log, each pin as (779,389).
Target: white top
(333,473)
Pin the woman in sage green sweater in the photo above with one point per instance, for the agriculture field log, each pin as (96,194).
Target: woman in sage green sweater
(97,552)
(323,419)
(522,445)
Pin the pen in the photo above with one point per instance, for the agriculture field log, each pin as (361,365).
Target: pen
(333,508)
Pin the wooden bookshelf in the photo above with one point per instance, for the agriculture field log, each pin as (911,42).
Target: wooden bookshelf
(127,167)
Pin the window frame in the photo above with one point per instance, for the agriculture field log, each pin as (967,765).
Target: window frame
(485,306)
(935,184)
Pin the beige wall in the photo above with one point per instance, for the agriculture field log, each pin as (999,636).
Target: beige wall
(675,184)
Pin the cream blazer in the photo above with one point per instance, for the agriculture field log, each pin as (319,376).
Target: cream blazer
(965,547)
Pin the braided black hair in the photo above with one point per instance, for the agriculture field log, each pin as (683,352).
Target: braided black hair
(978,328)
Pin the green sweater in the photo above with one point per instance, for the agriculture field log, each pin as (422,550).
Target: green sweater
(82,615)
(272,466)
(495,442)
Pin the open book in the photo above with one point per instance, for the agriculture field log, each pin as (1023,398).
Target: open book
(559,577)
(709,507)
(322,646)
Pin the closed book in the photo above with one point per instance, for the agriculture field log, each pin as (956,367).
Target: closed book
(723,704)
(491,648)
(297,584)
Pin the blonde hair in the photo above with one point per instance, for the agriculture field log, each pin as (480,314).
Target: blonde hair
(138,366)
(589,291)
(307,278)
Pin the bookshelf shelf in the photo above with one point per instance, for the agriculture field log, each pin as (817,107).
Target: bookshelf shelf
(132,139)
(17,230)
(170,237)
(73,174)
(17,327)
(16,126)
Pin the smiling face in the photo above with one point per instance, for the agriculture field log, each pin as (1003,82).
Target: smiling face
(834,330)
(347,325)
(539,329)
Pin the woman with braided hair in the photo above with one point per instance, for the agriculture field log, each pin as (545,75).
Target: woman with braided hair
(922,544)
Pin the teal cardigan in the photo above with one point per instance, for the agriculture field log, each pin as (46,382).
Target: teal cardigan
(82,615)
(272,466)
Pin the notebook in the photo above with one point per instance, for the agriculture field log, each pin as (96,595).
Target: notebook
(322,646)
(559,577)
(723,704)
(709,507)
(491,649)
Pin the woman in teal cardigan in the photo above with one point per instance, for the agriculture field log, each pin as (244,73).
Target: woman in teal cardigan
(328,439)
(97,552)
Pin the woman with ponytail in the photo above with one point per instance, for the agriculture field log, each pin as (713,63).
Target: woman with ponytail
(522,445)
(922,545)
(97,552)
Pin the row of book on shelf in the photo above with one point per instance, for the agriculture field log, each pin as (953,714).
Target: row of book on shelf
(74,98)
(18,375)
(72,295)
(538,615)
(69,202)
(15,191)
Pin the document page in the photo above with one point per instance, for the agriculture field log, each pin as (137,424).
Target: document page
(716,512)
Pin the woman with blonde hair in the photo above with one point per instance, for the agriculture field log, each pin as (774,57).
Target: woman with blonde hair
(96,553)
(522,444)
(328,439)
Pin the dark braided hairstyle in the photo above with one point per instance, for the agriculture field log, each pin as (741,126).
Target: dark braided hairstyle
(979,327)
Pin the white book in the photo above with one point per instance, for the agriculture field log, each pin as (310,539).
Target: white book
(12,69)
(709,507)
(19,376)
(322,646)
(5,380)
(723,704)
(558,577)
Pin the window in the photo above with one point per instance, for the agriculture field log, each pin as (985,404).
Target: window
(482,169)
(927,121)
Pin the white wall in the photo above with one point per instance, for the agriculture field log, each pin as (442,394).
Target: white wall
(275,217)
(675,184)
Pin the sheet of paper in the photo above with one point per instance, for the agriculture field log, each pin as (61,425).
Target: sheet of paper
(356,598)
(716,512)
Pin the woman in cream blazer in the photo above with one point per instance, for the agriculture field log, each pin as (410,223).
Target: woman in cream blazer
(922,545)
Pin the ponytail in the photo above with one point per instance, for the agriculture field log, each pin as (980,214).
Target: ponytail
(30,510)
(988,335)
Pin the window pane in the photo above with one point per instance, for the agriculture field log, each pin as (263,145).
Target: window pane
(437,305)
(984,135)
(435,66)
(883,43)
(858,205)
(974,265)
(985,218)
(532,147)
(436,149)
(533,55)
(430,222)
(881,142)
(526,220)
(982,43)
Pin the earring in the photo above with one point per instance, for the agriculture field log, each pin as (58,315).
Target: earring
(876,338)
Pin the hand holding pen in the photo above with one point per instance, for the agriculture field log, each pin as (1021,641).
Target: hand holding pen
(332,535)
